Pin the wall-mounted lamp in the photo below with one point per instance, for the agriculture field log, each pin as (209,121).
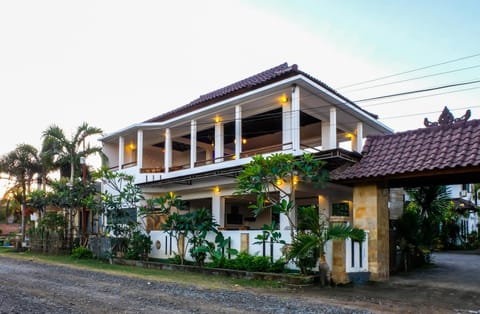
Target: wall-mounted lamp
(217,119)
(216,189)
(295,180)
(283,99)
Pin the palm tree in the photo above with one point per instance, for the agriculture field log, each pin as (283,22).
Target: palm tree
(65,153)
(308,247)
(21,165)
(431,203)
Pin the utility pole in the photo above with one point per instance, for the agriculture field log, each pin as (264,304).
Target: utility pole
(84,211)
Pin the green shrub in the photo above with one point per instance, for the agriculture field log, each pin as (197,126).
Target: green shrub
(253,263)
(81,253)
(140,245)
(278,266)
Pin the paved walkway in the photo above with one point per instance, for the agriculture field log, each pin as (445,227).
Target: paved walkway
(455,269)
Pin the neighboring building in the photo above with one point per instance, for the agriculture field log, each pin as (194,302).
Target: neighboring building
(466,205)
(198,149)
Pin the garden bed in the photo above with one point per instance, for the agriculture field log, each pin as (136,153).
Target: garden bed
(288,279)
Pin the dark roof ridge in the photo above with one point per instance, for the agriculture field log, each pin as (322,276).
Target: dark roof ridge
(428,129)
(426,149)
(252,82)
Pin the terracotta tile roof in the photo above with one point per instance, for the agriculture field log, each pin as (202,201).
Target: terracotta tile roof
(434,148)
(258,80)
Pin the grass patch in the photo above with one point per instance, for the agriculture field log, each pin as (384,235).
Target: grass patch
(184,278)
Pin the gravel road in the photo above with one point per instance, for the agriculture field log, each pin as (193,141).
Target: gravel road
(33,287)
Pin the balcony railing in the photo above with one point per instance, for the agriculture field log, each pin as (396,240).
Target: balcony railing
(265,149)
(199,163)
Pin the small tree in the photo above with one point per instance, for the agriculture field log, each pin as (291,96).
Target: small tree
(309,245)
(121,204)
(279,173)
(191,229)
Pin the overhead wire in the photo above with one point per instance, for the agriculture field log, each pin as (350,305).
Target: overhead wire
(418,91)
(415,78)
(419,97)
(410,71)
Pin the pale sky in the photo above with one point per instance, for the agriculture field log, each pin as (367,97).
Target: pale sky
(116,63)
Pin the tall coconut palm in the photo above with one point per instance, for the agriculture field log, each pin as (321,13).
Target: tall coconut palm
(66,152)
(21,165)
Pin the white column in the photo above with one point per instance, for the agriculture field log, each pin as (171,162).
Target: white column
(296,118)
(333,127)
(219,141)
(238,131)
(358,138)
(284,222)
(287,125)
(121,151)
(329,131)
(218,208)
(140,149)
(193,143)
(168,149)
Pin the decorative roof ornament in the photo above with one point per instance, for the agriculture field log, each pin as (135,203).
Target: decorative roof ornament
(447,118)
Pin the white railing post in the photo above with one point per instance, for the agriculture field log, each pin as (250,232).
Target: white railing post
(356,255)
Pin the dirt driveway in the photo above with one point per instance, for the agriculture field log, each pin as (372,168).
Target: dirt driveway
(452,286)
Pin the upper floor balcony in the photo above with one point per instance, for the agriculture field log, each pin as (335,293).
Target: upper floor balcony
(293,115)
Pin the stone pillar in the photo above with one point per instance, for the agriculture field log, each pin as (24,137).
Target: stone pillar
(370,212)
(193,143)
(339,267)
(244,242)
(238,131)
(140,149)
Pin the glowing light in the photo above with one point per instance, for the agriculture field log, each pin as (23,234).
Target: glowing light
(279,181)
(217,119)
(244,141)
(216,189)
(295,180)
(283,99)
(350,135)
(132,146)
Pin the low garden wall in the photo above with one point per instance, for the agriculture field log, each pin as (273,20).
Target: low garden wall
(288,279)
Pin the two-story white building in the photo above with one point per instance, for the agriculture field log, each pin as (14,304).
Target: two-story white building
(198,149)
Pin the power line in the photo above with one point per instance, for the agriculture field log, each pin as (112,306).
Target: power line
(410,71)
(418,91)
(422,113)
(418,97)
(415,78)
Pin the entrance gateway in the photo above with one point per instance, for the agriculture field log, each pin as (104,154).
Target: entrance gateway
(444,152)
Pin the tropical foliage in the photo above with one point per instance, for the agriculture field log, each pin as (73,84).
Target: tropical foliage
(21,165)
(266,176)
(308,247)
